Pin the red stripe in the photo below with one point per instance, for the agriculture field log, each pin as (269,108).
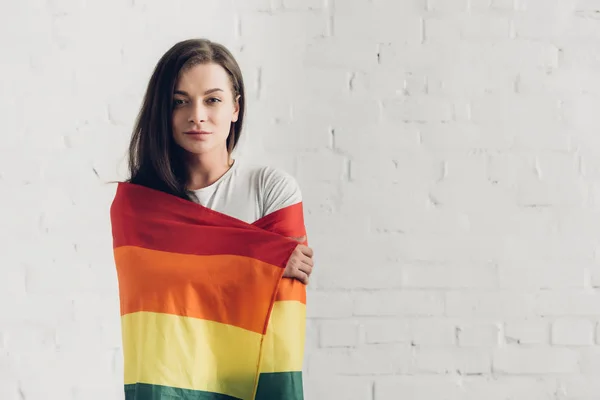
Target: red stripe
(155,220)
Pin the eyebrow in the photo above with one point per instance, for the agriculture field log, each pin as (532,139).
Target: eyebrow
(209,91)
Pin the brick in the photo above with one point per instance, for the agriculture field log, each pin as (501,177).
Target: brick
(341,53)
(418,109)
(467,27)
(400,27)
(488,304)
(478,335)
(329,304)
(339,333)
(449,276)
(503,387)
(589,360)
(346,387)
(335,276)
(387,139)
(572,332)
(301,5)
(446,6)
(387,303)
(388,330)
(527,332)
(371,360)
(542,275)
(580,386)
(566,303)
(419,387)
(433,332)
(512,360)
(322,166)
(452,361)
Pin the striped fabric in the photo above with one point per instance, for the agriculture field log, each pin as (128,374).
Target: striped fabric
(205,312)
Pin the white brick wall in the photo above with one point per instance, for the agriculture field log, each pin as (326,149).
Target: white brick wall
(448,155)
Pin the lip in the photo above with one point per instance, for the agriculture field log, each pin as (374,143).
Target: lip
(197,133)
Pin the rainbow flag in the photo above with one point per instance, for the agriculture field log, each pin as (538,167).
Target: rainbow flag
(205,312)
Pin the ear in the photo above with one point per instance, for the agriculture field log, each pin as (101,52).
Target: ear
(236,111)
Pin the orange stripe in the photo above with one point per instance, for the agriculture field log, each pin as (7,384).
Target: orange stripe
(291,289)
(233,290)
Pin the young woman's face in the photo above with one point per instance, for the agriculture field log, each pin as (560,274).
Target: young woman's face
(203,102)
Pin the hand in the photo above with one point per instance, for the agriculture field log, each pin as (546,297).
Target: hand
(300,264)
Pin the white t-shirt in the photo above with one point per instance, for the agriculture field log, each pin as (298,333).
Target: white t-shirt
(250,192)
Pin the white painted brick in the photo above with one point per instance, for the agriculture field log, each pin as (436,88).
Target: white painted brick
(567,303)
(433,332)
(572,332)
(340,53)
(312,335)
(513,220)
(527,332)
(362,139)
(418,109)
(329,304)
(468,27)
(460,361)
(478,335)
(502,109)
(391,26)
(548,248)
(322,166)
(449,276)
(410,303)
(580,387)
(542,276)
(370,360)
(590,360)
(346,387)
(419,387)
(293,29)
(339,333)
(397,168)
(389,330)
(385,82)
(457,137)
(502,387)
(300,5)
(505,4)
(334,276)
(488,304)
(513,360)
(447,6)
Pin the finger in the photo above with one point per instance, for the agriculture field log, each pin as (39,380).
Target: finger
(301,276)
(307,251)
(307,261)
(307,269)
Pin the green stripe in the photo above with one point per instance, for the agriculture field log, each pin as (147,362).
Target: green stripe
(280,386)
(144,391)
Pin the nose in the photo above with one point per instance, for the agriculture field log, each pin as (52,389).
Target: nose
(198,114)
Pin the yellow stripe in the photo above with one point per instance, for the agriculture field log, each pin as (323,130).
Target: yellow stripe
(189,353)
(284,342)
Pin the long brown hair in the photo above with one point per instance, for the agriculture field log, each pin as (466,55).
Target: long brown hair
(155,160)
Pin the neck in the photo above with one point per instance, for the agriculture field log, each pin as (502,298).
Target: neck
(206,169)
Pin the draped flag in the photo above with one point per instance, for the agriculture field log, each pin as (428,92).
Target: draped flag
(205,311)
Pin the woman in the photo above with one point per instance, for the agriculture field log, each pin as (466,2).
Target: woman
(202,242)
(189,124)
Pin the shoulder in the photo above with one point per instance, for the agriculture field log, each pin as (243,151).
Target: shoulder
(277,188)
